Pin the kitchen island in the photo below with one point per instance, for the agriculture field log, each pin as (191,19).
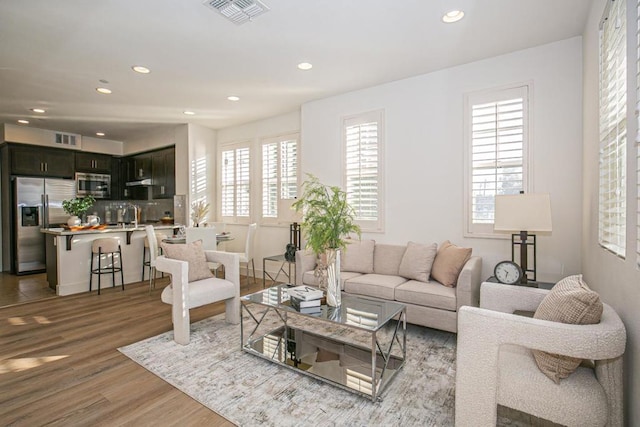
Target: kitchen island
(68,255)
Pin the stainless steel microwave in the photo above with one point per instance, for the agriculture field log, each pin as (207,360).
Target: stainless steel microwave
(93,184)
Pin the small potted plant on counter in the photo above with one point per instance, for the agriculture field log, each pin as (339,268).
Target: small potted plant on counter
(76,208)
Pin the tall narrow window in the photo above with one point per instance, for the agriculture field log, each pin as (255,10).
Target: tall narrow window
(496,148)
(279,177)
(613,129)
(235,188)
(363,146)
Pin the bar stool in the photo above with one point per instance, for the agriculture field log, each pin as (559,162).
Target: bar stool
(106,246)
(146,261)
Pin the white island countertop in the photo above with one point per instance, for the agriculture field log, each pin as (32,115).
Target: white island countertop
(68,254)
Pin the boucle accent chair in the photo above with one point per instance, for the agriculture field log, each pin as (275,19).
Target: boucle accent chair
(495,364)
(184,295)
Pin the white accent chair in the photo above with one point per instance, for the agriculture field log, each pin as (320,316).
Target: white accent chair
(183,295)
(495,364)
(209,241)
(247,255)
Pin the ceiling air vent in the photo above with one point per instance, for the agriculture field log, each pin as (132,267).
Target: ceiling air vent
(67,139)
(238,11)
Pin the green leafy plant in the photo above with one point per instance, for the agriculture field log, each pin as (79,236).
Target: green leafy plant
(78,206)
(327,217)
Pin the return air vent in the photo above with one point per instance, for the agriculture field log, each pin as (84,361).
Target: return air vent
(68,139)
(238,11)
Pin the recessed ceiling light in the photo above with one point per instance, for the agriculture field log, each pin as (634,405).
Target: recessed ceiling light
(453,16)
(233,98)
(189,113)
(103,90)
(140,69)
(305,66)
(100,133)
(24,122)
(38,110)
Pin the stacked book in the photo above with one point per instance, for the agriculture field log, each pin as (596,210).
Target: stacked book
(306,299)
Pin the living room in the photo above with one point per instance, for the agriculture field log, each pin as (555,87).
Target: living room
(425,173)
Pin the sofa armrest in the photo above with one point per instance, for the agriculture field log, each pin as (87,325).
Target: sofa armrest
(305,261)
(468,284)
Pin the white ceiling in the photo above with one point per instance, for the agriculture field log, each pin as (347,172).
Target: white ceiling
(53,54)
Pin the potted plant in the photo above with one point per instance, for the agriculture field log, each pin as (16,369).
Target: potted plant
(199,212)
(327,221)
(76,208)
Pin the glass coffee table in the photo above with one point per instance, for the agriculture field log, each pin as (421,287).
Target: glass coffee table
(359,346)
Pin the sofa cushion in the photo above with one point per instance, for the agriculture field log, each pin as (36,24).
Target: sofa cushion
(358,256)
(308,278)
(374,285)
(193,254)
(417,261)
(569,301)
(386,258)
(431,294)
(449,262)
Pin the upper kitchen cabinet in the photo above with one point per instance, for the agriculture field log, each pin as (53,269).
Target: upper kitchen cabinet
(164,168)
(141,167)
(39,161)
(93,162)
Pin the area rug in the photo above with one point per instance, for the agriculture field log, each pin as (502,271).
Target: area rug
(250,391)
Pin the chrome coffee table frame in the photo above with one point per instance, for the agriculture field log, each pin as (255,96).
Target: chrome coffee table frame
(361,369)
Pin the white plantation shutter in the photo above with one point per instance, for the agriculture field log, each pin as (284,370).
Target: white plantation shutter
(497,142)
(638,135)
(613,129)
(279,176)
(270,180)
(235,182)
(363,177)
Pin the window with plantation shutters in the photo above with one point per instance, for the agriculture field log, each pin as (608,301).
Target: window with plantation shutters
(612,222)
(497,136)
(279,176)
(235,190)
(363,142)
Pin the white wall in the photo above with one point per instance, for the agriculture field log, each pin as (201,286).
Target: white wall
(424,149)
(202,163)
(269,239)
(616,280)
(30,135)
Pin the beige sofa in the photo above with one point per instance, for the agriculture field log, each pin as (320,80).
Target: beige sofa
(404,274)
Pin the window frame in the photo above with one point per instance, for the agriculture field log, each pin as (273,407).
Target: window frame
(235,219)
(377,225)
(495,95)
(285,214)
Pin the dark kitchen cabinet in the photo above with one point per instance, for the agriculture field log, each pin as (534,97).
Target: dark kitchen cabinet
(93,162)
(163,171)
(38,161)
(141,167)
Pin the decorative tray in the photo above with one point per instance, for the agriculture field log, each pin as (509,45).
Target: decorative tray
(84,227)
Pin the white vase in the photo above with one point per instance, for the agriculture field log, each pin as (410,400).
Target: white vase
(334,293)
(74,221)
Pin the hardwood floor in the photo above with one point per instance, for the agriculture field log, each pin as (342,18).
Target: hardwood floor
(59,363)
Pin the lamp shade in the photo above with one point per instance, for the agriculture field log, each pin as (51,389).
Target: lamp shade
(523,212)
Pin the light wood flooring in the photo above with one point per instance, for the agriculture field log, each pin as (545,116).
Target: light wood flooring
(59,363)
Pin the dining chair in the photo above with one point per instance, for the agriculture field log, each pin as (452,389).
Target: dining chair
(246,257)
(209,243)
(152,240)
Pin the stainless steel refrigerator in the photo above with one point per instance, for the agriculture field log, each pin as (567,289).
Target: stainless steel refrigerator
(38,204)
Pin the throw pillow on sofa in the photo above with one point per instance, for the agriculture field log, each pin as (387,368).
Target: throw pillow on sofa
(358,256)
(193,254)
(449,262)
(417,261)
(569,301)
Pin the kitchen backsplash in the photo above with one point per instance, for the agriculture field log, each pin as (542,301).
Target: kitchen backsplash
(114,211)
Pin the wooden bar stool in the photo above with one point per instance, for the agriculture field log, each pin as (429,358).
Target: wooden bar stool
(107,247)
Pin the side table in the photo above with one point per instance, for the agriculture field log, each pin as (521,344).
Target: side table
(537,284)
(282,260)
